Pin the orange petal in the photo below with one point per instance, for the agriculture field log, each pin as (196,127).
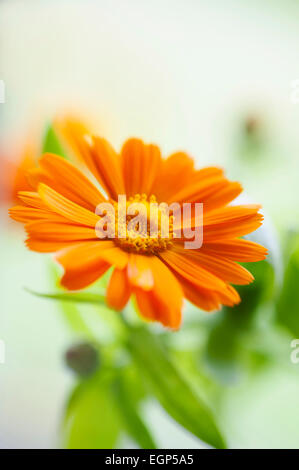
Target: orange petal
(141,164)
(66,208)
(72,131)
(84,276)
(32,199)
(118,290)
(114,255)
(175,172)
(229,213)
(225,269)
(206,299)
(207,186)
(208,172)
(139,272)
(236,250)
(147,305)
(60,231)
(191,270)
(156,304)
(27,214)
(37,175)
(45,246)
(223,196)
(230,297)
(105,164)
(200,191)
(230,222)
(85,262)
(154,308)
(67,180)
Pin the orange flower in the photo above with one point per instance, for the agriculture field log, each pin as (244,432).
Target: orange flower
(13,170)
(59,216)
(12,175)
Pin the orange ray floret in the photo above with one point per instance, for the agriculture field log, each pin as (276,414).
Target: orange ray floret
(59,216)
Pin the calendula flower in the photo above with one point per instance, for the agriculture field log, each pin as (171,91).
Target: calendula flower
(60,216)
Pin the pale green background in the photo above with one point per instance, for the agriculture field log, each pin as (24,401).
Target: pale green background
(180,73)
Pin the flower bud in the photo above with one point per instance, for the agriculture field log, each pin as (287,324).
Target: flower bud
(83,359)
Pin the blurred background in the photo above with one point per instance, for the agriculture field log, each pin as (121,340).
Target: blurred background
(213,78)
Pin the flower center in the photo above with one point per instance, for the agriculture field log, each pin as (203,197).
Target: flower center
(142,225)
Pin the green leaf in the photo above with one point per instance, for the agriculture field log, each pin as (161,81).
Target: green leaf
(73,316)
(84,297)
(73,398)
(132,420)
(172,390)
(91,418)
(71,313)
(51,143)
(69,302)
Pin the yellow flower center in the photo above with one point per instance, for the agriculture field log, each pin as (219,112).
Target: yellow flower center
(146,227)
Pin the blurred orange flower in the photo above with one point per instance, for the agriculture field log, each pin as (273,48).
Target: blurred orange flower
(12,175)
(59,216)
(71,130)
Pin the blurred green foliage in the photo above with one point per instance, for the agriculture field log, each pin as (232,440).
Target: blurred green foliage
(91,417)
(137,364)
(228,334)
(51,143)
(174,393)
